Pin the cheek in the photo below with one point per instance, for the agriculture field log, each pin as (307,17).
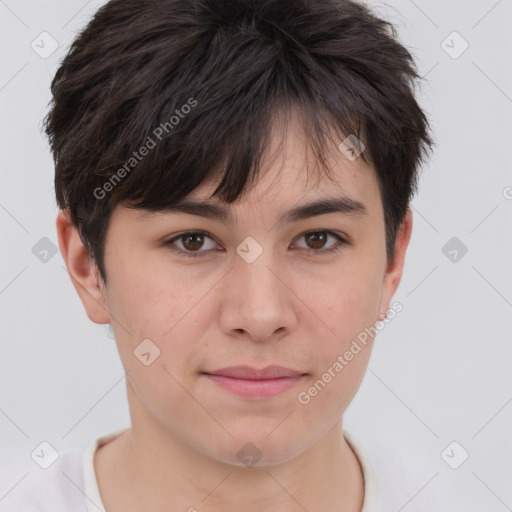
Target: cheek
(346,305)
(345,312)
(147,297)
(343,350)
(153,312)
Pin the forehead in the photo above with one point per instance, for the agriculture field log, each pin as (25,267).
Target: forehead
(290,175)
(289,171)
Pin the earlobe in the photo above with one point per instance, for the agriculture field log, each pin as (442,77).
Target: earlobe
(395,268)
(82,269)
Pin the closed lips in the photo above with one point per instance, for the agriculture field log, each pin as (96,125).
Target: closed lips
(250,373)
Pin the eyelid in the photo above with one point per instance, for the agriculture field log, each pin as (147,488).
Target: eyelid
(339,237)
(174,238)
(342,241)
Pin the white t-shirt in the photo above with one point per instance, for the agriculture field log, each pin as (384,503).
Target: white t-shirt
(70,485)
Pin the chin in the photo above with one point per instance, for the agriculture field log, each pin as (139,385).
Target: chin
(256,451)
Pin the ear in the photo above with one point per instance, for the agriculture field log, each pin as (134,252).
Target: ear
(394,270)
(82,270)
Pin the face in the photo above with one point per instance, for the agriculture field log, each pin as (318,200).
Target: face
(262,290)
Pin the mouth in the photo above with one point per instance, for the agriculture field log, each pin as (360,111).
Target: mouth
(253,383)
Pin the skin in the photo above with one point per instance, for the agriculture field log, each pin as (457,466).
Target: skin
(287,308)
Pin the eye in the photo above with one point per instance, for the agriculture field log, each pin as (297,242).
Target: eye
(318,239)
(192,241)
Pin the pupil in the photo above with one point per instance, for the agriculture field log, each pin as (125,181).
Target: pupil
(191,237)
(321,236)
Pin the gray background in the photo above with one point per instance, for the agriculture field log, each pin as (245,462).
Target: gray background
(440,371)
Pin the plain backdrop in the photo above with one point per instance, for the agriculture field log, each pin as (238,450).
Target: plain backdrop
(440,371)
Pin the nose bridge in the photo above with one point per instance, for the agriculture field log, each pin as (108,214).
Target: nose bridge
(257,300)
(256,277)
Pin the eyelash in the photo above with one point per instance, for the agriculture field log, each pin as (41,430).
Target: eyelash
(310,252)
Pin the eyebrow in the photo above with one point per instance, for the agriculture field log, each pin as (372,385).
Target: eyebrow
(214,211)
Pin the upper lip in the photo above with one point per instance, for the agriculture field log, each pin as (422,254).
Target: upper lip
(249,373)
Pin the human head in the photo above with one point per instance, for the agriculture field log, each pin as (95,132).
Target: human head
(200,83)
(250,83)
(255,293)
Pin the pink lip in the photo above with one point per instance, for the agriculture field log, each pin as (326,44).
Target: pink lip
(253,383)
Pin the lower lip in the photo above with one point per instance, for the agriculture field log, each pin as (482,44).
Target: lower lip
(255,388)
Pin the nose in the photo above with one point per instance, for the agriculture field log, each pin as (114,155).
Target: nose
(257,301)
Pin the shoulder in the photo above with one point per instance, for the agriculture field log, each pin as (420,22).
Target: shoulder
(403,471)
(387,476)
(59,487)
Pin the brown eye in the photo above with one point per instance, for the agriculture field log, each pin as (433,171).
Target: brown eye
(191,242)
(316,242)
(317,239)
